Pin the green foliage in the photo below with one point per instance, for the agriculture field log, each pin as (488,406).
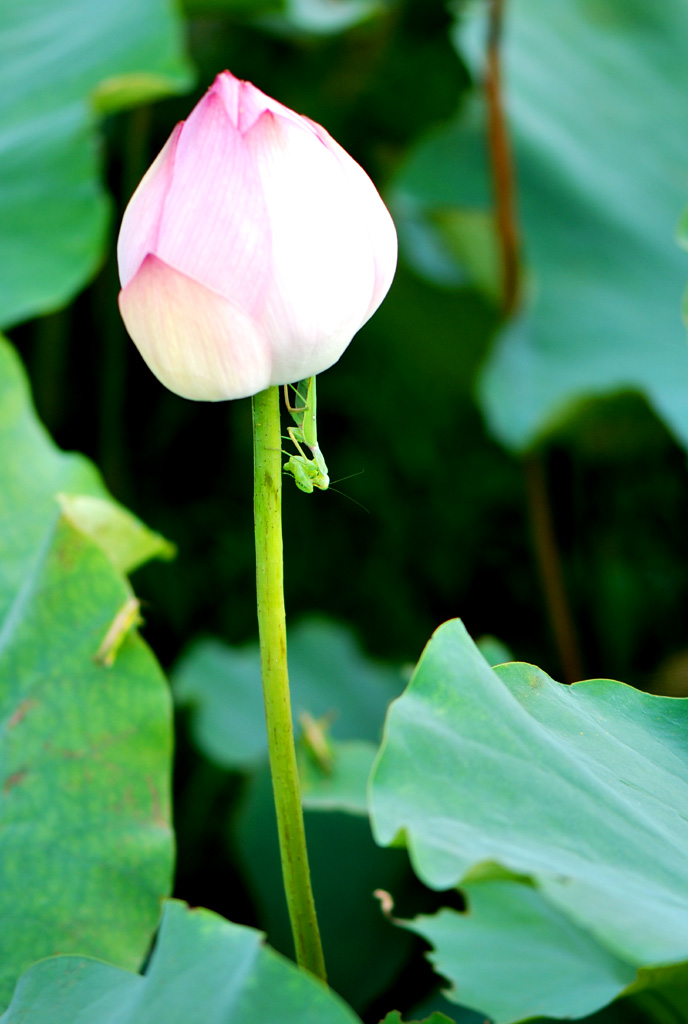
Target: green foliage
(127,541)
(493,773)
(394,1017)
(321,17)
(61,65)
(233,8)
(202,969)
(598,207)
(85,833)
(557,811)
(328,677)
(35,476)
(32,472)
(515,956)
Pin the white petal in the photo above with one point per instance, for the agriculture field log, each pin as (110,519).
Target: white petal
(196,343)
(375,216)
(382,234)
(324,268)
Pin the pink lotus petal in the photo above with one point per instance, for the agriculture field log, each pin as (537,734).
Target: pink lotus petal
(141,222)
(197,343)
(228,89)
(245,103)
(242,101)
(215,225)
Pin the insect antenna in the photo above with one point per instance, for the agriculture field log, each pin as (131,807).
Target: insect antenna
(348,496)
(341,479)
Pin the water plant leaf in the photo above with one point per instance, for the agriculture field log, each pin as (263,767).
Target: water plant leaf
(576,791)
(320,17)
(125,539)
(599,212)
(394,1017)
(202,969)
(584,82)
(33,472)
(515,957)
(85,750)
(85,746)
(61,66)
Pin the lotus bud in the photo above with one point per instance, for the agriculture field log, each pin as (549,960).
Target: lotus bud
(253,249)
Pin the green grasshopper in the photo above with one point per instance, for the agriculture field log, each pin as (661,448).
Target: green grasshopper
(308,472)
(126,619)
(316,742)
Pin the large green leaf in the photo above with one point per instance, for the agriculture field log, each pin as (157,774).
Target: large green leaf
(580,790)
(202,969)
(85,837)
(85,834)
(595,98)
(329,676)
(61,63)
(34,473)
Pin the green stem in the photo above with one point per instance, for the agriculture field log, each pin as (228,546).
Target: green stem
(267,504)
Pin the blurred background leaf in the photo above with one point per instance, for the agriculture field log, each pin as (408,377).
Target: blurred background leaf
(601,184)
(328,675)
(60,66)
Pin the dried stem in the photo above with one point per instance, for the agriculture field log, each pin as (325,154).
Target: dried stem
(502,165)
(547,553)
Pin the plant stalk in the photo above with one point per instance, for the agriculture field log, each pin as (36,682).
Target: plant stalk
(267,504)
(547,554)
(551,570)
(502,165)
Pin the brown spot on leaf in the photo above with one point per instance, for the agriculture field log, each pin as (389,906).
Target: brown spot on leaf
(14,779)
(22,710)
(159,818)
